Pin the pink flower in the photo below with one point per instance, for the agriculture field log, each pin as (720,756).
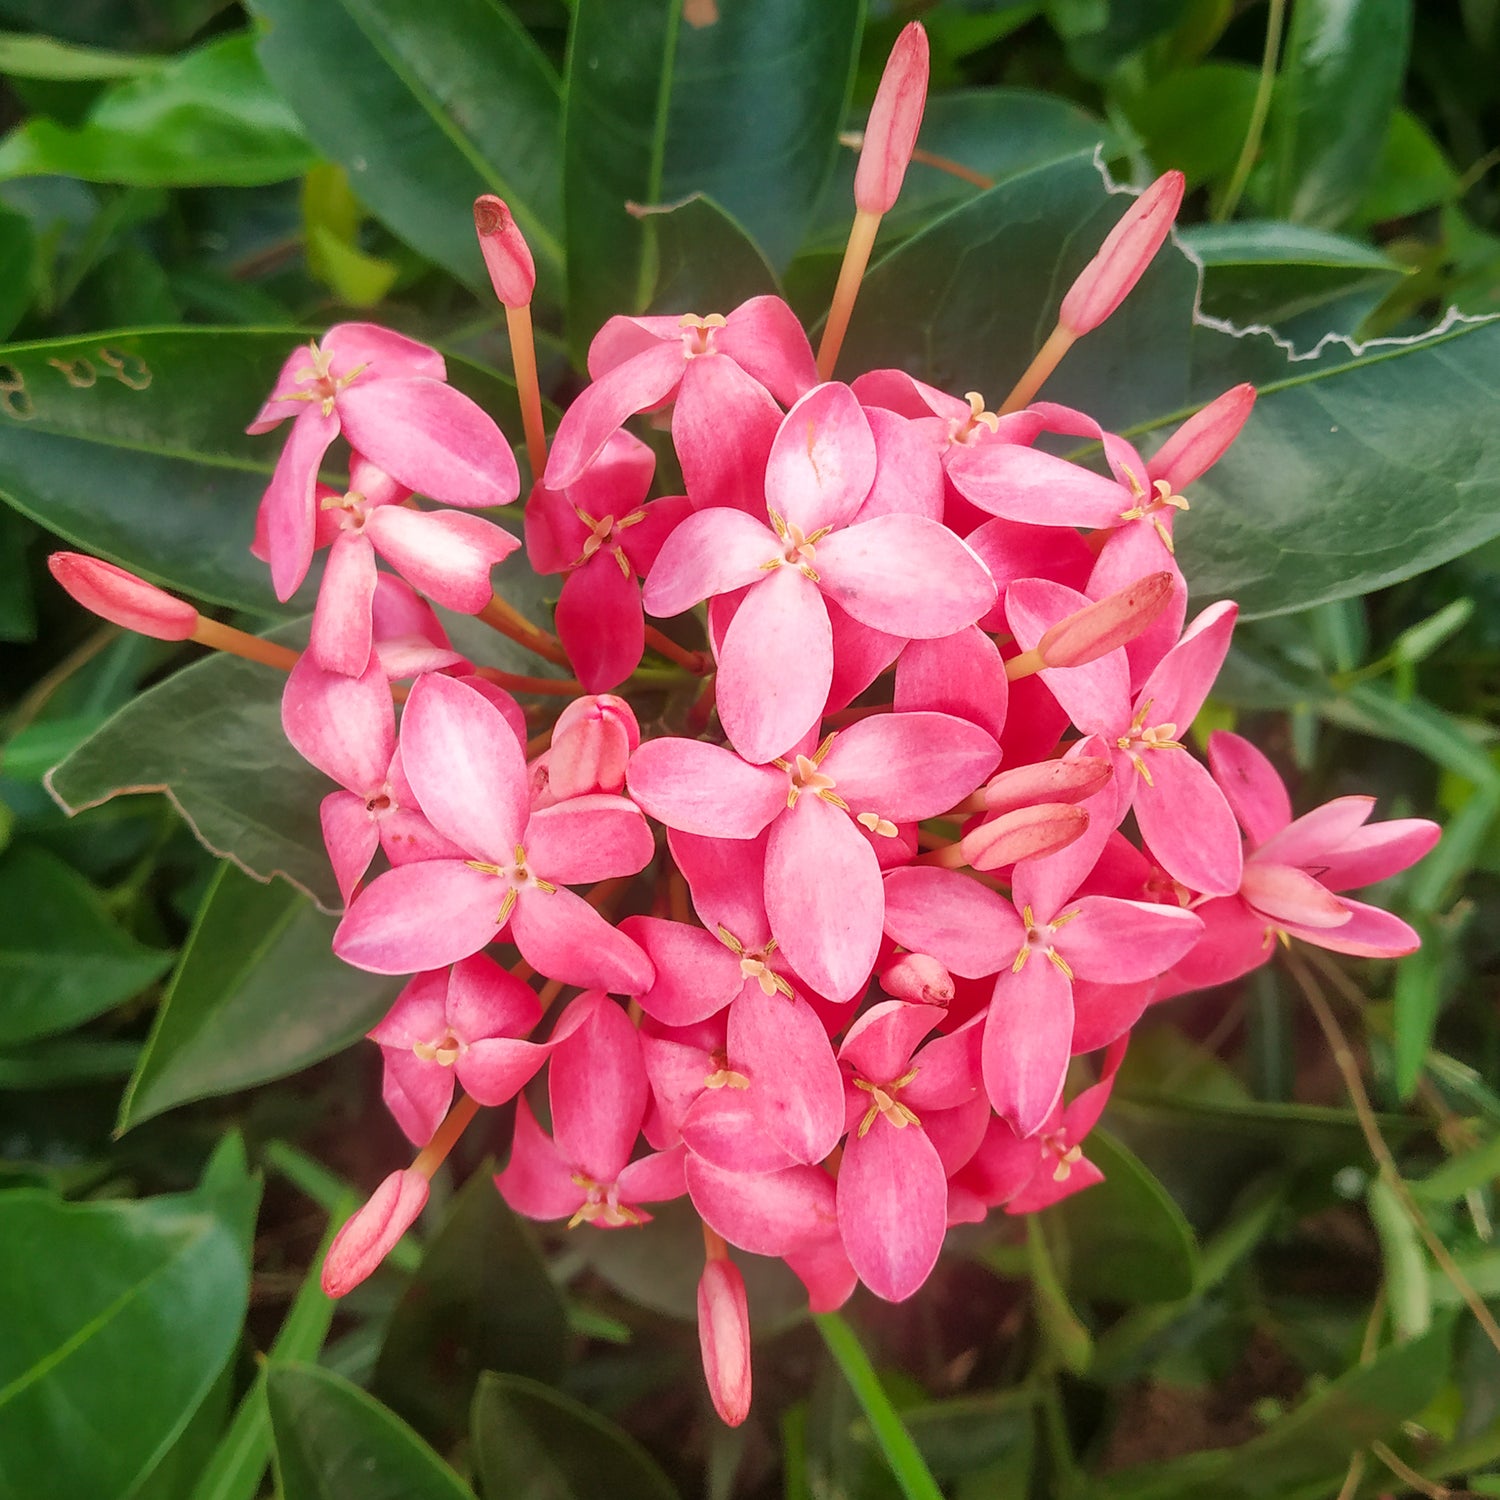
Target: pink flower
(122,598)
(895,118)
(724,1338)
(371,1233)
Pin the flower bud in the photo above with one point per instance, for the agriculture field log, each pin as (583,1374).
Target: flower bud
(895,119)
(122,598)
(1097,629)
(724,1338)
(507,256)
(1025,833)
(1106,281)
(372,1232)
(919,978)
(592,742)
(1047,781)
(1203,439)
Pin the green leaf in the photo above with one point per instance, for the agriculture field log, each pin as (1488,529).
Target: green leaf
(63,958)
(333,1442)
(704,259)
(480,1300)
(1311,1443)
(206,117)
(115,23)
(258,994)
(1100,36)
(1195,119)
(1403,1260)
(118,1318)
(966,1433)
(1128,1241)
(427,106)
(1414,173)
(532,1440)
(1340,79)
(65,1061)
(26,56)
(18,279)
(1461,1174)
(210,738)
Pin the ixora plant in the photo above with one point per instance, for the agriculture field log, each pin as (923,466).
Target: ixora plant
(898,823)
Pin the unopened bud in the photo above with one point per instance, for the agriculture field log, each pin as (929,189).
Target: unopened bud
(724,1338)
(1130,247)
(371,1234)
(895,119)
(507,256)
(1097,629)
(918,978)
(1203,439)
(1047,781)
(592,742)
(1026,833)
(122,598)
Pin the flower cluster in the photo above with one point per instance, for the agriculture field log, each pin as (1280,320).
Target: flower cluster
(846,884)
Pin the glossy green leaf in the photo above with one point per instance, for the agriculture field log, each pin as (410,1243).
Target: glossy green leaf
(18,279)
(333,1442)
(114,23)
(1127,1240)
(1356,469)
(1195,119)
(65,1061)
(1340,78)
(258,995)
(704,259)
(118,1318)
(207,117)
(480,1300)
(426,106)
(1414,173)
(532,1440)
(1311,1443)
(210,738)
(63,958)
(1099,37)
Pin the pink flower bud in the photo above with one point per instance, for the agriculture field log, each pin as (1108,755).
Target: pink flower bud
(372,1232)
(1106,281)
(1047,781)
(724,1337)
(1024,834)
(1097,629)
(590,746)
(507,256)
(122,598)
(1203,439)
(919,978)
(895,119)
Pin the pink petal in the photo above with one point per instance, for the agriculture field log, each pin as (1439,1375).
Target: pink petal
(879,1045)
(600,623)
(696,975)
(824,897)
(483,1000)
(721,1129)
(727,881)
(905,575)
(538,1179)
(562,936)
(958,674)
(655,1178)
(1177,688)
(775,666)
(371,1232)
(1315,834)
(1123,941)
(432,439)
(764,337)
(1254,791)
(710,553)
(420,916)
(589,838)
(639,383)
(860,655)
(766,1214)
(1097,694)
(1023,484)
(1377,852)
(417,1093)
(446,554)
(723,426)
(342,628)
(892,1205)
(796,1094)
(1187,824)
(724,1339)
(383,353)
(1284,894)
(351,838)
(1203,439)
(970,929)
(464,765)
(909,472)
(1103,1013)
(1027,1041)
(597,1088)
(822,462)
(704,789)
(909,766)
(1369,933)
(288,506)
(345,726)
(823,1268)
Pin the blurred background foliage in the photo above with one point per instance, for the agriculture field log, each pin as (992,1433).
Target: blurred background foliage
(1252,1305)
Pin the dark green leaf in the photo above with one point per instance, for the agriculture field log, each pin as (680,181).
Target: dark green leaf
(965,1433)
(64,1061)
(1413,174)
(63,958)
(1339,82)
(258,994)
(17,604)
(1195,119)
(333,1442)
(531,1440)
(1128,1241)
(208,116)
(17,269)
(427,106)
(704,259)
(97,1380)
(481,1300)
(1100,37)
(115,23)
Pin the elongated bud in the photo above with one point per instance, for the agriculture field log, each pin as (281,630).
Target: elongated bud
(1026,833)
(1106,281)
(122,598)
(593,740)
(895,119)
(724,1338)
(1097,629)
(919,978)
(507,256)
(372,1232)
(1048,781)
(1203,439)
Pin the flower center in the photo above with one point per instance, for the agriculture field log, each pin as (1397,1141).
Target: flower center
(601,1205)
(445,1049)
(797,546)
(756,965)
(723,1076)
(1139,739)
(520,879)
(1150,506)
(883,1101)
(603,531)
(319,382)
(380,802)
(1063,1156)
(1039,935)
(979,423)
(698,333)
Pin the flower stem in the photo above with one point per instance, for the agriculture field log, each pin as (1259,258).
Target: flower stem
(856,258)
(1024,665)
(696,662)
(242,643)
(1259,109)
(498,615)
(546,687)
(455,1122)
(1047,359)
(523,358)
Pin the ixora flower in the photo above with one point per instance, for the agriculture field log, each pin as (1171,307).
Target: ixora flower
(926,716)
